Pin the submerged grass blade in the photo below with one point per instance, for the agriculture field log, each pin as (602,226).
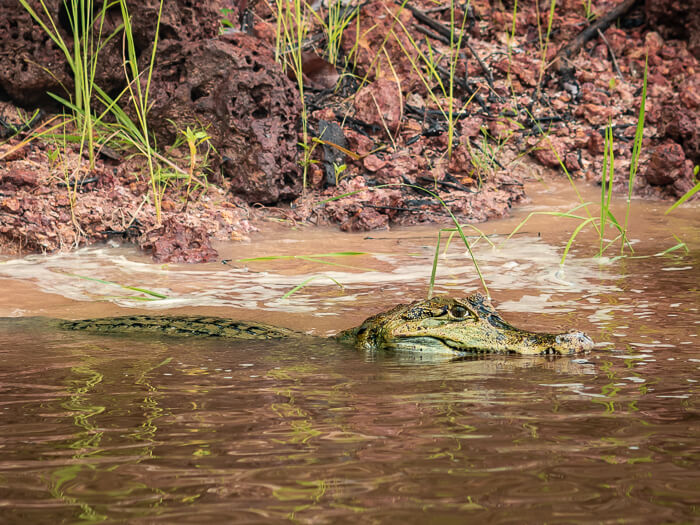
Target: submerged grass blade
(680,246)
(316,258)
(433,272)
(315,255)
(307,281)
(155,295)
(568,215)
(570,242)
(330,263)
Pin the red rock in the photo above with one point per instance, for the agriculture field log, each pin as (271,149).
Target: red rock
(9,154)
(379,103)
(666,161)
(571,162)
(265,31)
(460,165)
(175,241)
(373,163)
(502,129)
(593,94)
(525,70)
(618,40)
(233,88)
(546,155)
(357,142)
(653,42)
(33,65)
(62,200)
(595,114)
(676,19)
(601,51)
(10,204)
(683,126)
(689,91)
(365,219)
(471,126)
(167,205)
(20,177)
(658,85)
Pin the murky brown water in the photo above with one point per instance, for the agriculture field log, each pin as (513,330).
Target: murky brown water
(165,430)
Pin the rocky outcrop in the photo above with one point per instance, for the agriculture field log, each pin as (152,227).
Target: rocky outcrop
(232,87)
(228,85)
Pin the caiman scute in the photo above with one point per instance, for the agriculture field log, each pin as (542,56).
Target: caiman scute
(441,325)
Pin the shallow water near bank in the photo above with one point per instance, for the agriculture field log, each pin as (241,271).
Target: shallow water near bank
(187,430)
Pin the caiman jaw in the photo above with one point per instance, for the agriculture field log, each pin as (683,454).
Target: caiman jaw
(517,342)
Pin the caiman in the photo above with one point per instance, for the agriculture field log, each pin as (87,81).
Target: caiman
(441,325)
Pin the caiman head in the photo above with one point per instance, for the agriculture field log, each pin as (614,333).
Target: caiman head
(443,325)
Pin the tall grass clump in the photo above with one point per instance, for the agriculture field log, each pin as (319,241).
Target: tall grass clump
(292,28)
(340,14)
(136,134)
(605,216)
(636,148)
(86,21)
(82,59)
(544,42)
(138,86)
(430,61)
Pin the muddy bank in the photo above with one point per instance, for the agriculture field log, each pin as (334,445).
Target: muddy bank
(522,108)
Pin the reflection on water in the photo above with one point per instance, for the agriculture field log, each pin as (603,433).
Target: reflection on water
(172,430)
(177,430)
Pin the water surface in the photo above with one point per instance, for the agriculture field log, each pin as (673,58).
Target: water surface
(186,430)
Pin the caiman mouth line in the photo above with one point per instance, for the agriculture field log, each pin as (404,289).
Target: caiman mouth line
(441,325)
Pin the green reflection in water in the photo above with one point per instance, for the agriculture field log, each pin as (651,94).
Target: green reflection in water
(88,438)
(608,390)
(452,414)
(310,491)
(300,421)
(303,428)
(82,386)
(149,406)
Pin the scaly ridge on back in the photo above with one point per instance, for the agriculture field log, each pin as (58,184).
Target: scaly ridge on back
(181,325)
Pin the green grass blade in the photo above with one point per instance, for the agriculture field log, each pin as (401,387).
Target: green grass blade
(157,295)
(568,215)
(316,255)
(573,236)
(330,263)
(433,271)
(307,281)
(684,198)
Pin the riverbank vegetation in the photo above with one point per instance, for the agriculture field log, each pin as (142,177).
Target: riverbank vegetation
(363,115)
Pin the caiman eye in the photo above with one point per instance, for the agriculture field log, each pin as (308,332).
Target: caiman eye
(458,311)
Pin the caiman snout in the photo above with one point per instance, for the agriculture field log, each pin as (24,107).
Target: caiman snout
(573,342)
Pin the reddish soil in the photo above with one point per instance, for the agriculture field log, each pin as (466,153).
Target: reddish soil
(391,159)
